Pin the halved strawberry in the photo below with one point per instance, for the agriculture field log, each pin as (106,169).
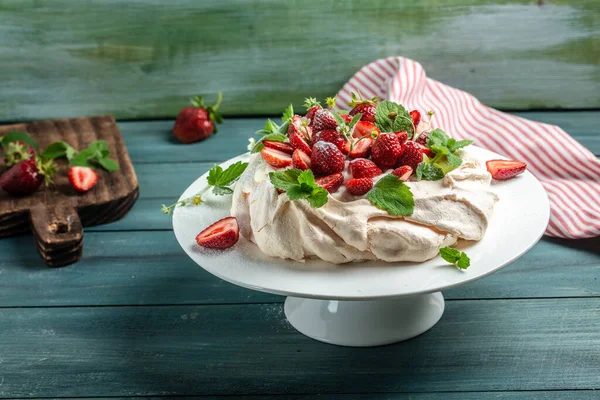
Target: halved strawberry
(505,169)
(82,178)
(220,235)
(362,147)
(329,135)
(326,159)
(331,182)
(300,160)
(276,158)
(402,136)
(346,117)
(365,128)
(404,172)
(281,146)
(297,141)
(360,186)
(363,168)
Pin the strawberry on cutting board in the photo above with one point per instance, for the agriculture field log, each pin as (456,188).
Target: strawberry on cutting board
(82,178)
(505,169)
(25,177)
(197,122)
(220,235)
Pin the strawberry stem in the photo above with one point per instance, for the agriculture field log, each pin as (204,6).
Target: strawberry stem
(218,103)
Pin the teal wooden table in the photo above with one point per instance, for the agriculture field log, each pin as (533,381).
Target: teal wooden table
(137,318)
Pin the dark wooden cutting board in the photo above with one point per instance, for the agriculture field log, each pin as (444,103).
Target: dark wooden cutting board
(57,214)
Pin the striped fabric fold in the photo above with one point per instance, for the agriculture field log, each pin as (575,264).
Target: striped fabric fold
(568,171)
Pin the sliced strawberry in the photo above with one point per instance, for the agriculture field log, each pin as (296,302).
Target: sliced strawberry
(386,150)
(300,160)
(362,147)
(220,235)
(360,186)
(326,159)
(402,136)
(329,135)
(346,117)
(346,147)
(363,168)
(416,117)
(365,128)
(82,178)
(505,169)
(425,150)
(404,172)
(281,146)
(331,182)
(276,158)
(297,141)
(411,155)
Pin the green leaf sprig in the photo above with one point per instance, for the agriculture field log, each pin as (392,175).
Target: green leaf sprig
(96,154)
(393,117)
(346,128)
(391,194)
(300,185)
(218,179)
(445,159)
(12,137)
(455,257)
(272,131)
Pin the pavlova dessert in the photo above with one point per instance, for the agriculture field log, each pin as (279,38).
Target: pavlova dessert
(374,183)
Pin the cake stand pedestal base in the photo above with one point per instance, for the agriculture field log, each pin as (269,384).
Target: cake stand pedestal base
(367,322)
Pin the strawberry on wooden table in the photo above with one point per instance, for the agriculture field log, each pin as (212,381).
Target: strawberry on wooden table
(331,182)
(82,178)
(505,169)
(197,122)
(359,186)
(276,158)
(25,177)
(220,235)
(326,159)
(17,151)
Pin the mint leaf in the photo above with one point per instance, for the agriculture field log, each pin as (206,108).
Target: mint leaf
(284,127)
(460,144)
(284,180)
(456,257)
(288,113)
(390,193)
(83,159)
(429,172)
(108,164)
(17,137)
(300,185)
(58,150)
(454,160)
(393,117)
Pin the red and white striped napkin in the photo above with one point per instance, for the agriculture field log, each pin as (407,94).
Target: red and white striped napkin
(568,171)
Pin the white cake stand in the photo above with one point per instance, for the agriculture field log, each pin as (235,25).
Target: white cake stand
(371,303)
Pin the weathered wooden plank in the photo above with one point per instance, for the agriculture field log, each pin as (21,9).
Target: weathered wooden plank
(144,59)
(499,345)
(131,268)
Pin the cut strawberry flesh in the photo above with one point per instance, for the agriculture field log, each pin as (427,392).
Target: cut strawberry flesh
(365,128)
(361,148)
(425,150)
(505,169)
(220,235)
(300,160)
(281,146)
(276,158)
(331,182)
(82,178)
(404,172)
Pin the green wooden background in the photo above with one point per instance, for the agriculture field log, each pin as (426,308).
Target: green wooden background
(143,59)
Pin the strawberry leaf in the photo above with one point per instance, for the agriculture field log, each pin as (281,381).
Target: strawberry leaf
(288,113)
(456,257)
(17,137)
(58,150)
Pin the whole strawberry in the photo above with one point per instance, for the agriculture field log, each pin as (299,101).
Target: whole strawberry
(17,151)
(197,122)
(412,155)
(422,138)
(312,106)
(386,150)
(360,186)
(363,168)
(326,159)
(416,117)
(366,107)
(25,177)
(323,119)
(329,135)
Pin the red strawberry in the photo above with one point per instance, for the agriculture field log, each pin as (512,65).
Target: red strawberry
(296,126)
(505,169)
(346,117)
(220,235)
(281,146)
(386,150)
(359,186)
(82,178)
(25,177)
(329,135)
(300,160)
(363,168)
(197,122)
(411,155)
(331,182)
(416,117)
(422,138)
(361,148)
(326,159)
(323,119)
(17,151)
(297,141)
(365,128)
(404,172)
(310,114)
(402,136)
(276,158)
(312,106)
(426,150)
(366,107)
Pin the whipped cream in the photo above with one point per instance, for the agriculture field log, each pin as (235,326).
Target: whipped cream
(349,228)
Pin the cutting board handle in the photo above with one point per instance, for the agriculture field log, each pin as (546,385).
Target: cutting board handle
(57,230)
